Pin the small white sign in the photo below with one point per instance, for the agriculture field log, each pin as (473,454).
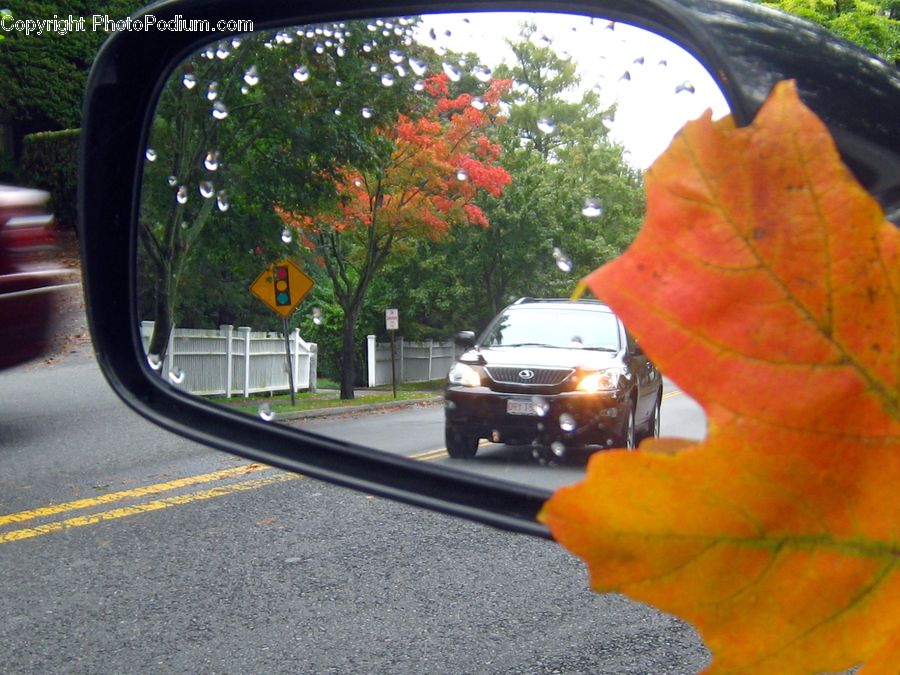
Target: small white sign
(392,319)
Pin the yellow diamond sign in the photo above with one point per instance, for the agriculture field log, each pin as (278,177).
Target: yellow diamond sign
(282,286)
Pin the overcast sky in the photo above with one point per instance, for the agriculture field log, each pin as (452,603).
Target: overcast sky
(658,86)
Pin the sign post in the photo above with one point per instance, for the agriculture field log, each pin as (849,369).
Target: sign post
(281,287)
(392,323)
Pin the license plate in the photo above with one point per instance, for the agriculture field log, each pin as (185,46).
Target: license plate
(520,408)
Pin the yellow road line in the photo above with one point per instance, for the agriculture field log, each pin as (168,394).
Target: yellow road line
(437,453)
(129,494)
(81,521)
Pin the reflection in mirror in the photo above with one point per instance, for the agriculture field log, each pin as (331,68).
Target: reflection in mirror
(299,183)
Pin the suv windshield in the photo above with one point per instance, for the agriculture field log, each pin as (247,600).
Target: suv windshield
(554,327)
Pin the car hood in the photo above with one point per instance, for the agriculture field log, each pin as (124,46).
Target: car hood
(547,357)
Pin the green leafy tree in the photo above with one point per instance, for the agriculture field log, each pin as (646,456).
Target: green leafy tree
(246,123)
(873,24)
(439,163)
(563,166)
(42,77)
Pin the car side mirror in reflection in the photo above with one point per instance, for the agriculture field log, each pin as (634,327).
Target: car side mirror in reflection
(213,155)
(465,339)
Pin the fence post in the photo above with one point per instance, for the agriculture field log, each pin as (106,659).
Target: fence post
(146,332)
(402,359)
(245,336)
(430,357)
(370,360)
(313,368)
(295,361)
(229,354)
(170,353)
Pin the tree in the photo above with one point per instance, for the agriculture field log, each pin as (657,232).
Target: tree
(557,150)
(873,24)
(42,77)
(439,163)
(242,123)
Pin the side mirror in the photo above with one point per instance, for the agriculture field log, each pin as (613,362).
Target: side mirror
(742,46)
(465,339)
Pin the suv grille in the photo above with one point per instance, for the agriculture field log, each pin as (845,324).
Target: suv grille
(543,377)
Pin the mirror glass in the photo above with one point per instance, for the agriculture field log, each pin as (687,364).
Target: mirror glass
(331,190)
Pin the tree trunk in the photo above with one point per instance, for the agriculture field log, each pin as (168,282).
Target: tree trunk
(348,365)
(162,314)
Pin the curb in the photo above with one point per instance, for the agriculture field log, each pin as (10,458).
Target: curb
(350,409)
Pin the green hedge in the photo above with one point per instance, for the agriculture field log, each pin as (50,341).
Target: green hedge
(50,162)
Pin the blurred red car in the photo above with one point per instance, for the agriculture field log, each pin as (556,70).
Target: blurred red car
(28,285)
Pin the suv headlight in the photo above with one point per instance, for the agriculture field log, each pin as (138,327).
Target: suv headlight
(602,380)
(465,375)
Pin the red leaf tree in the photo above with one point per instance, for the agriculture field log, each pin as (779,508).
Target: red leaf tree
(439,163)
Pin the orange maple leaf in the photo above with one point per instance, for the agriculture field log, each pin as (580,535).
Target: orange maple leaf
(766,283)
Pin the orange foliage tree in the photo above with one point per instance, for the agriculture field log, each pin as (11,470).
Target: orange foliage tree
(766,284)
(439,162)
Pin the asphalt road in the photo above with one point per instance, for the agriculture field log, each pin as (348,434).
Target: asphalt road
(419,432)
(126,549)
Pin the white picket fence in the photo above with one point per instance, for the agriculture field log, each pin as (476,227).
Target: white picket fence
(231,361)
(414,361)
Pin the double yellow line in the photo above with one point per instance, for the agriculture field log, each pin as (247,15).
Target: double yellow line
(237,475)
(137,493)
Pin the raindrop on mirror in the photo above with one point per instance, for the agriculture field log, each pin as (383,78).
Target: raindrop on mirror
(301,74)
(452,72)
(206,189)
(154,361)
(567,423)
(540,405)
(317,316)
(482,73)
(176,376)
(219,111)
(189,81)
(265,412)
(181,195)
(150,155)
(418,67)
(546,125)
(211,161)
(563,262)
(287,236)
(222,202)
(251,77)
(212,91)
(387,79)
(592,208)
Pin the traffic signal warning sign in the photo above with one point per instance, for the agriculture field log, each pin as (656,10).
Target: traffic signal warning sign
(282,286)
